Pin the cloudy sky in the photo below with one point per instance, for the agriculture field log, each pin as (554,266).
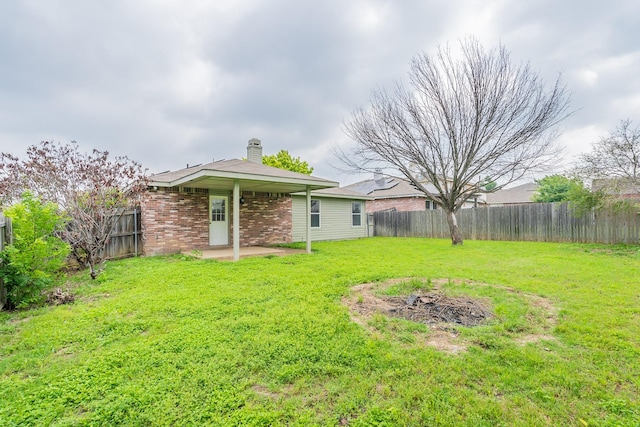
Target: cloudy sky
(170,82)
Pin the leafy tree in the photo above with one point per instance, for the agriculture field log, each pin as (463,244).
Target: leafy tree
(283,160)
(583,199)
(560,188)
(556,188)
(32,262)
(490,185)
(91,189)
(464,116)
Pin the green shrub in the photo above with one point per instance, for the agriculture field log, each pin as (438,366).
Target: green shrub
(34,260)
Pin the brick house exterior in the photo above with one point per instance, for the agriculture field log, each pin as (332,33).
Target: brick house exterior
(266,219)
(177,218)
(173,220)
(206,206)
(400,204)
(391,193)
(394,193)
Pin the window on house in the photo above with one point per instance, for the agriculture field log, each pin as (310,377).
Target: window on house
(218,211)
(315,213)
(356,214)
(430,205)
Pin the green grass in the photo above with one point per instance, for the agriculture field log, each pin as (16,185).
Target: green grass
(266,341)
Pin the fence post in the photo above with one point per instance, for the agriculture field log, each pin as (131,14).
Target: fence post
(5,238)
(372,224)
(551,222)
(135,231)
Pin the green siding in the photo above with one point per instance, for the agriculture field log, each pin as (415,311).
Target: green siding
(335,220)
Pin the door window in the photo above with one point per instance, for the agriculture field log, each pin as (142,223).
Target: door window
(218,210)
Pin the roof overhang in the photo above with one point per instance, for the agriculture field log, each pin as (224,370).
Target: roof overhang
(223,181)
(400,196)
(320,195)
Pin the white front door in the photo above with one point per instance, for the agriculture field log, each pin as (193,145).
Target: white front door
(218,220)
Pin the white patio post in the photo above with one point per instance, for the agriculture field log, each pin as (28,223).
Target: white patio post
(308,237)
(236,219)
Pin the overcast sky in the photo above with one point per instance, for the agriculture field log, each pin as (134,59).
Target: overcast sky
(170,82)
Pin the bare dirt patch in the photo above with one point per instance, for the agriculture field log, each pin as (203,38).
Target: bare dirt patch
(59,296)
(20,320)
(431,308)
(94,297)
(440,312)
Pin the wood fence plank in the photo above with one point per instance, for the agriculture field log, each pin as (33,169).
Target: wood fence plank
(543,222)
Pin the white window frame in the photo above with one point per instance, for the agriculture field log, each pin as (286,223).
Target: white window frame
(356,214)
(312,213)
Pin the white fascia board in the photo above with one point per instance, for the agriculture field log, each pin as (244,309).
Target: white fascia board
(400,196)
(317,184)
(334,196)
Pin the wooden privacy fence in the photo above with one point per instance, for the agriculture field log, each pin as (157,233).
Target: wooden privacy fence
(126,239)
(541,222)
(5,239)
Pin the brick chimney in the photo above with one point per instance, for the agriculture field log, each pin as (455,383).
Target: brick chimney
(377,176)
(254,151)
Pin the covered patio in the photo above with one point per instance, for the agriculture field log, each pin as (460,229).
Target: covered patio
(226,184)
(245,252)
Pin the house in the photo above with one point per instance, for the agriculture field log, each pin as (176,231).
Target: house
(234,203)
(394,193)
(518,195)
(336,213)
(626,188)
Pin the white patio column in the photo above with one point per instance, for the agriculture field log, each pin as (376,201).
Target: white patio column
(236,219)
(308,237)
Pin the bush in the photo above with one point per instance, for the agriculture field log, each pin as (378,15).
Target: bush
(36,257)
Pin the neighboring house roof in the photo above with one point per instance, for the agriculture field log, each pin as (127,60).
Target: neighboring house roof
(515,195)
(220,175)
(337,193)
(624,187)
(386,188)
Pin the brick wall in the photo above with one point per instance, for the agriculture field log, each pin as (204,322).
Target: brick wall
(401,204)
(265,219)
(174,221)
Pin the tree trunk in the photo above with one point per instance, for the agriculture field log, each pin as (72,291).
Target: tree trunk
(456,235)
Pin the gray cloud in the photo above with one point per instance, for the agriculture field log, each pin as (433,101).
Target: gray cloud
(169,83)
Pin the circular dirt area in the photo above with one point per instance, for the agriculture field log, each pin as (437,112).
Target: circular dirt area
(443,313)
(431,307)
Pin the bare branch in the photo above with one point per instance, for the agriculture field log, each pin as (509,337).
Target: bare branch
(480,115)
(613,165)
(90,188)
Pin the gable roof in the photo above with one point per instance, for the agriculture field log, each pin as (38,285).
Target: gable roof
(337,193)
(625,187)
(386,188)
(514,195)
(220,175)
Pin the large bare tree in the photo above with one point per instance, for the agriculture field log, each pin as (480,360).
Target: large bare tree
(466,115)
(91,189)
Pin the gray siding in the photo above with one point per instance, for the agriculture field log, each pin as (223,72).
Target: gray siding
(335,220)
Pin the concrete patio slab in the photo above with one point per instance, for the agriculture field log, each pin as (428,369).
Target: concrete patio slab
(227,253)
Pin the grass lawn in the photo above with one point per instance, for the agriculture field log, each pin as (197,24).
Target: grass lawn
(267,341)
